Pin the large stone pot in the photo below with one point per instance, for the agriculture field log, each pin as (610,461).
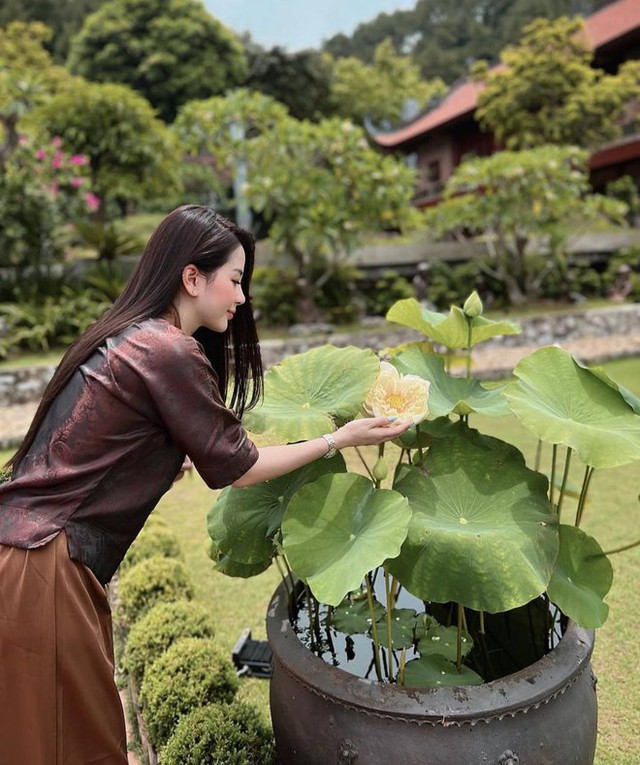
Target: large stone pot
(544,715)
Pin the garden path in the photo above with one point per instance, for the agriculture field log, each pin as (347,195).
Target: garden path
(488,363)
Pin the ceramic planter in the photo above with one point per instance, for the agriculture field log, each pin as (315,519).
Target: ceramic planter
(545,714)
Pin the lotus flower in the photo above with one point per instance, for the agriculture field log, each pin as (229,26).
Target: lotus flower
(396,395)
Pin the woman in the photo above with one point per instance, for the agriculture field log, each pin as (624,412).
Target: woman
(143,387)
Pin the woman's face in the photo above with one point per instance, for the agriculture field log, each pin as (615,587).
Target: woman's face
(220,293)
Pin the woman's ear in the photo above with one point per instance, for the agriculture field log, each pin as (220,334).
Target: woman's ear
(190,276)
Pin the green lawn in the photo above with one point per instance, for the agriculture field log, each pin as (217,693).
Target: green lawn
(613,517)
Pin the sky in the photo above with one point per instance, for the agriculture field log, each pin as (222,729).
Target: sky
(299,24)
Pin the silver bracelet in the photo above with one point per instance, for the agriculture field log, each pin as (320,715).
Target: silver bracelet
(333,449)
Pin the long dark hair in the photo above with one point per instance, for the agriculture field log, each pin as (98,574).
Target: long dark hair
(190,234)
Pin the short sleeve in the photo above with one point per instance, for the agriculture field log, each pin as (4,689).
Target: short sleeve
(183,386)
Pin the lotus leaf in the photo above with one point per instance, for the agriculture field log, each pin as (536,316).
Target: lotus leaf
(581,578)
(243,522)
(450,394)
(225,565)
(482,531)
(338,528)
(436,671)
(353,617)
(563,402)
(450,330)
(444,642)
(306,393)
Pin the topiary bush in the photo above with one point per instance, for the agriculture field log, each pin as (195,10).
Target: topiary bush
(159,628)
(191,673)
(221,734)
(149,582)
(154,539)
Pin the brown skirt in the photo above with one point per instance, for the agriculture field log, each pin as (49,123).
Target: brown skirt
(59,704)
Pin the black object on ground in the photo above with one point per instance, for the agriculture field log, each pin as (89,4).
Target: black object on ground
(252,657)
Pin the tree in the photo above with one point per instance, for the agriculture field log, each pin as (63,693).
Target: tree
(443,38)
(131,153)
(301,81)
(28,77)
(170,51)
(323,189)
(223,129)
(547,91)
(513,199)
(379,91)
(63,17)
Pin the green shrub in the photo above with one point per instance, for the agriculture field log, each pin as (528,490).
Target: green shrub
(191,673)
(274,295)
(159,628)
(335,293)
(221,734)
(153,540)
(386,290)
(151,581)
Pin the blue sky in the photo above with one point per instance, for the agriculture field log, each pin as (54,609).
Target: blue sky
(298,24)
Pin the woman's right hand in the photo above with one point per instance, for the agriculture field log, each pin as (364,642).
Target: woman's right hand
(369,431)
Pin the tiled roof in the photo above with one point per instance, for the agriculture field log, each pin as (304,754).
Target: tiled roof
(603,27)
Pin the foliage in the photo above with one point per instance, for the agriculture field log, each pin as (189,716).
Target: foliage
(322,188)
(274,296)
(149,582)
(379,91)
(512,198)
(624,189)
(504,538)
(335,292)
(27,78)
(547,91)
(131,153)
(442,37)
(184,53)
(299,80)
(63,18)
(106,279)
(221,734)
(152,540)
(42,323)
(160,628)
(388,288)
(107,239)
(190,673)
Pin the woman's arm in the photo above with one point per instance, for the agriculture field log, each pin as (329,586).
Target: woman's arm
(274,461)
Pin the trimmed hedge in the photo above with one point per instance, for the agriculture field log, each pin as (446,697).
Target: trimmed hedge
(191,673)
(221,734)
(154,539)
(149,582)
(159,628)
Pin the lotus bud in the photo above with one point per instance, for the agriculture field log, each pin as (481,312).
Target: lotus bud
(473,305)
(380,469)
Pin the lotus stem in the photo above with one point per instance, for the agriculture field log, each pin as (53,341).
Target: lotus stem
(374,629)
(482,628)
(565,475)
(387,587)
(290,573)
(402,453)
(459,640)
(364,462)
(418,441)
(469,320)
(403,662)
(312,624)
(554,457)
(618,549)
(284,577)
(583,494)
(538,455)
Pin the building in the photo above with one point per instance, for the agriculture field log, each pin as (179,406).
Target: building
(438,140)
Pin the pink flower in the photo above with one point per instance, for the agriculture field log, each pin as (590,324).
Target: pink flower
(92,201)
(78,159)
(23,140)
(57,160)
(41,154)
(77,182)
(56,141)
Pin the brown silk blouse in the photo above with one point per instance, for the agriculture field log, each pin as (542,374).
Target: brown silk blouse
(113,441)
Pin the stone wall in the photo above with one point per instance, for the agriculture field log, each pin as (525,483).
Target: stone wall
(18,385)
